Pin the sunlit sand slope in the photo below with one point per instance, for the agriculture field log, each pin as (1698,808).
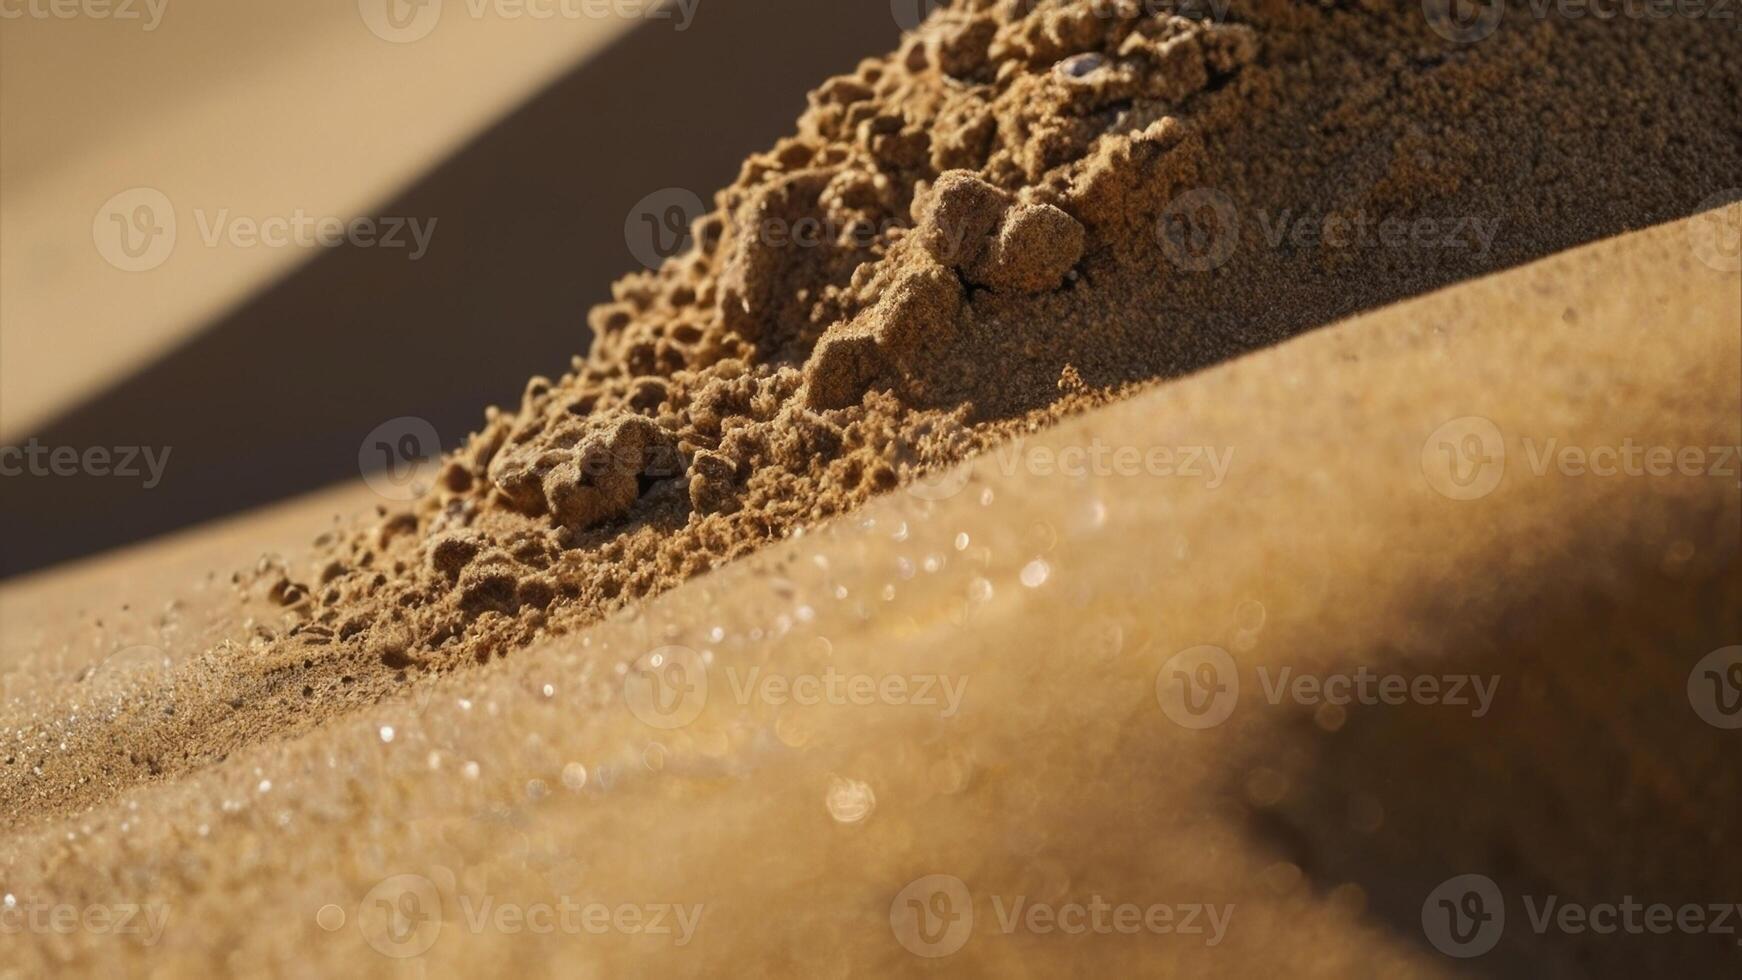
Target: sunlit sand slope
(1034,718)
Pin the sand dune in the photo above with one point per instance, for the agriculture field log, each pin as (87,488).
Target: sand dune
(789,835)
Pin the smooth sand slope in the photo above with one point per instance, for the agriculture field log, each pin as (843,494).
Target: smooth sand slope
(1397,497)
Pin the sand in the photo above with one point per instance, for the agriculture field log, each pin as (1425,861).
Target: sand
(1015,217)
(1031,224)
(789,834)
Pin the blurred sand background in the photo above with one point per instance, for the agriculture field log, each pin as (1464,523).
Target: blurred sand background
(484,126)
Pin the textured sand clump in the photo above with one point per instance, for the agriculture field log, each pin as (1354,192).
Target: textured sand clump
(1026,210)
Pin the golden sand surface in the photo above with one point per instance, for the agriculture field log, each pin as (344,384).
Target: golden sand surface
(1030,718)
(214,111)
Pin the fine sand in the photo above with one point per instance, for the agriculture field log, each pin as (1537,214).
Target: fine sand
(1078,243)
(1024,212)
(1050,604)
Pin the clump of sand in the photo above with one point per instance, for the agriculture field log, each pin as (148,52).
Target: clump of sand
(967,239)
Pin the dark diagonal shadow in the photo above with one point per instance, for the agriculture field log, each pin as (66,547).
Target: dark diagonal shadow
(276,398)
